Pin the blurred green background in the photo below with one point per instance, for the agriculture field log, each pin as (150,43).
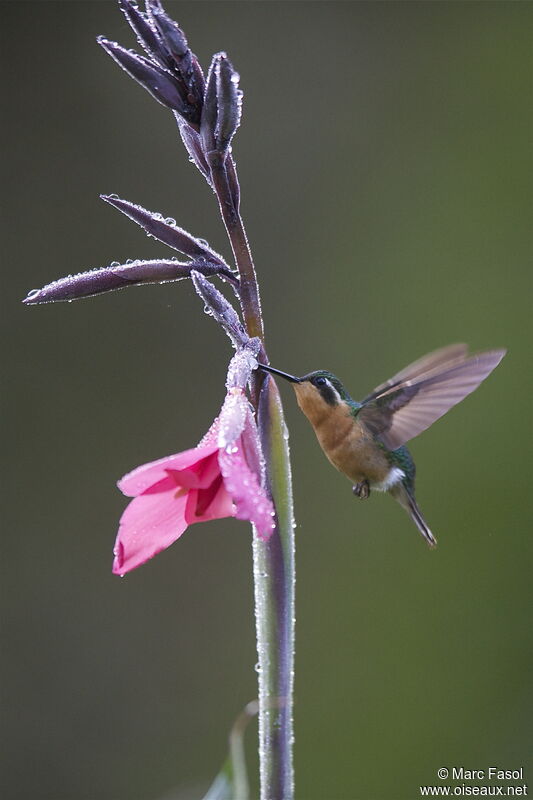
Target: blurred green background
(386,177)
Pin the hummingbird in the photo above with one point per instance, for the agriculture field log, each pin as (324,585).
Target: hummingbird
(366,440)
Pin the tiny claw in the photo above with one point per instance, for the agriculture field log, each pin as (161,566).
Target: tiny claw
(362,490)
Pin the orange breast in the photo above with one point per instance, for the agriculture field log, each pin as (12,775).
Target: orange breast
(351,448)
(346,443)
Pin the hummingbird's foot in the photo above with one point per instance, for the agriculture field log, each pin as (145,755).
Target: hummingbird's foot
(362,490)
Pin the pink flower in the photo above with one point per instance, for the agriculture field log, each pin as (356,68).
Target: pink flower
(221,477)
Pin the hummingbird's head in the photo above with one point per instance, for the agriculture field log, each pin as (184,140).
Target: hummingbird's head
(317,392)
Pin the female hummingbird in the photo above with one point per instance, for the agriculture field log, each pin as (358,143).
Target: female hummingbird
(366,440)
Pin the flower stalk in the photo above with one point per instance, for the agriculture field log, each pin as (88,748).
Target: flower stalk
(249,295)
(274,577)
(274,567)
(241,468)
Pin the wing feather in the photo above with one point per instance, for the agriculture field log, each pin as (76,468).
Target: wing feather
(403,411)
(438,358)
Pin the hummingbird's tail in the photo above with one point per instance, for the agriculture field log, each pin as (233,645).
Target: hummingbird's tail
(407,501)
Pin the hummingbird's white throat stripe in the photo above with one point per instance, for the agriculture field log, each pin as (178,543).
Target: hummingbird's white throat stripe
(338,398)
(395,476)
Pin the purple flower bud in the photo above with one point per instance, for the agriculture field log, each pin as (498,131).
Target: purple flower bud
(193,144)
(229,99)
(221,113)
(117,276)
(208,123)
(173,37)
(163,86)
(185,61)
(218,307)
(146,34)
(106,279)
(152,7)
(166,231)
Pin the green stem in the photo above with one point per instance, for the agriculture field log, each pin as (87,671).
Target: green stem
(274,573)
(274,578)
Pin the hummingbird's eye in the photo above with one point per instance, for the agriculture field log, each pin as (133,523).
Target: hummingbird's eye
(320,381)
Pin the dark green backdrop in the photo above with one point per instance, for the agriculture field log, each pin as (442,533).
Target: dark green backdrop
(385,170)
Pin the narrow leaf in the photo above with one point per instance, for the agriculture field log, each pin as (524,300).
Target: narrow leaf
(231,783)
(222,786)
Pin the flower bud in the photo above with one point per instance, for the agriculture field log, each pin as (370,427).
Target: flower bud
(221,113)
(163,86)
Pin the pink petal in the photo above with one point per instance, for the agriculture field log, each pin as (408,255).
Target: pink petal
(200,476)
(140,479)
(150,523)
(251,445)
(251,500)
(211,503)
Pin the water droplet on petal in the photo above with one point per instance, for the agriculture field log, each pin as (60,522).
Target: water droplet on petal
(33,293)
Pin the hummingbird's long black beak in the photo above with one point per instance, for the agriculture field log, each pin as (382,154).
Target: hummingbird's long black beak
(285,375)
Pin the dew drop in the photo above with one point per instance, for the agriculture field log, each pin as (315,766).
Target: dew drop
(113,197)
(115,264)
(33,293)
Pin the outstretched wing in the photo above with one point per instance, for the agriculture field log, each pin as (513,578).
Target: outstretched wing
(438,358)
(405,409)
